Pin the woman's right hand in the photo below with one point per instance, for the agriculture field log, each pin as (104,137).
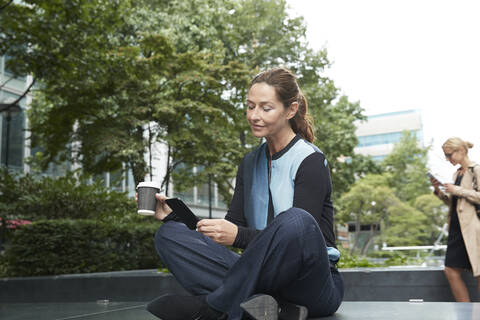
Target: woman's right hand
(162,209)
(436,184)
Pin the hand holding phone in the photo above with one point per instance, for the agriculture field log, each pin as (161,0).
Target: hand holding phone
(183,212)
(219,230)
(434,179)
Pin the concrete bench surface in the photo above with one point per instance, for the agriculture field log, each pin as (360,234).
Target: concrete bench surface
(349,310)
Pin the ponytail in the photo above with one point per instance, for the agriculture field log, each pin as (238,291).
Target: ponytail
(302,122)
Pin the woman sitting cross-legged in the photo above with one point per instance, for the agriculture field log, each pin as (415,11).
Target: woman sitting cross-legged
(281,213)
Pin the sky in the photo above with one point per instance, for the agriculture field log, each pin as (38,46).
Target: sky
(401,55)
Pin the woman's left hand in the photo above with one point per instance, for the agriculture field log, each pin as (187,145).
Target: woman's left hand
(219,230)
(449,187)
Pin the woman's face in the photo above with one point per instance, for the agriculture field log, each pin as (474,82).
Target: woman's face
(265,113)
(454,156)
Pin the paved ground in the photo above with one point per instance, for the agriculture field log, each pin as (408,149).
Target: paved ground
(136,311)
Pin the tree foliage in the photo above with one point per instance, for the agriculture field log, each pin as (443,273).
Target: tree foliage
(436,213)
(367,203)
(407,165)
(118,76)
(398,199)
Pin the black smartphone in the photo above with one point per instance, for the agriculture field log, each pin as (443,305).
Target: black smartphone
(183,212)
(431,176)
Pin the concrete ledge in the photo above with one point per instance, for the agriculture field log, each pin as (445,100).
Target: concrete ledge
(362,284)
(349,310)
(141,285)
(402,284)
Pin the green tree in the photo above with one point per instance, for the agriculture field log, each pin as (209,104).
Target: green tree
(347,171)
(260,43)
(121,91)
(406,226)
(436,213)
(410,214)
(57,40)
(121,75)
(407,165)
(371,202)
(367,203)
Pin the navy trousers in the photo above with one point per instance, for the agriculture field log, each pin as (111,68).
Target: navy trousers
(287,260)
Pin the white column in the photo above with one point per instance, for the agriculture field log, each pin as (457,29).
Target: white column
(27,147)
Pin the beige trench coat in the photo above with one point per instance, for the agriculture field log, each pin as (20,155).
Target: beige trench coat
(467,216)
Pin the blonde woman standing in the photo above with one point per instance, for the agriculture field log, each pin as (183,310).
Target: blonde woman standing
(463,247)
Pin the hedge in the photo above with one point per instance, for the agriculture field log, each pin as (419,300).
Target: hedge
(25,196)
(80,246)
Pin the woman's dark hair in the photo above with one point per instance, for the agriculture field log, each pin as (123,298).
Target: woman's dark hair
(288,92)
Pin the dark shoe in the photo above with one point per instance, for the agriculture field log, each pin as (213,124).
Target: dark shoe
(177,307)
(265,307)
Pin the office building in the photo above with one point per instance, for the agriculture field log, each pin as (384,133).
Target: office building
(378,134)
(13,120)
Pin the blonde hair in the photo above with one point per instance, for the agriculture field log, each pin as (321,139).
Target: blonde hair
(456,143)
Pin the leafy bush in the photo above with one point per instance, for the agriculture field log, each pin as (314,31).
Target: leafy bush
(35,198)
(399,258)
(3,266)
(348,260)
(80,246)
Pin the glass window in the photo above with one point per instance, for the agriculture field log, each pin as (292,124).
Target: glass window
(205,192)
(13,140)
(12,133)
(203,196)
(188,196)
(100,178)
(56,170)
(378,158)
(130,183)
(116,180)
(221,203)
(377,139)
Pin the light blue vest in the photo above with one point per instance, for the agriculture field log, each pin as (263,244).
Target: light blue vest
(282,184)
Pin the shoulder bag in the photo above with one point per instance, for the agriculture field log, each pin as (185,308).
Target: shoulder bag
(475,187)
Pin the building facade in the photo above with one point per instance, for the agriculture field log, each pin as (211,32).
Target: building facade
(378,134)
(13,140)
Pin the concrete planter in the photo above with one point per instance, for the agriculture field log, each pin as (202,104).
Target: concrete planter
(362,284)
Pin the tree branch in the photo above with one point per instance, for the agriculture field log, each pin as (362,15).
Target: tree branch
(6,5)
(23,94)
(5,83)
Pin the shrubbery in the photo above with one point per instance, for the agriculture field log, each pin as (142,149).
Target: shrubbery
(348,260)
(80,246)
(76,228)
(35,198)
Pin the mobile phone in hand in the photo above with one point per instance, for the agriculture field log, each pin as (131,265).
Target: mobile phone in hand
(431,176)
(183,211)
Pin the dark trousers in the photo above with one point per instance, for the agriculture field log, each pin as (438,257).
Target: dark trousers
(287,260)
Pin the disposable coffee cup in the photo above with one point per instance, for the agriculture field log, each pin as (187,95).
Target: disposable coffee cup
(146,197)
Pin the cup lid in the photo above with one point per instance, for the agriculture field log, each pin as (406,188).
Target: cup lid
(151,184)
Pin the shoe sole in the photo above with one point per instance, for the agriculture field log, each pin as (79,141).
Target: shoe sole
(299,312)
(261,307)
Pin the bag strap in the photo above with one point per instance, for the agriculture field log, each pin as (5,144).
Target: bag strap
(474,178)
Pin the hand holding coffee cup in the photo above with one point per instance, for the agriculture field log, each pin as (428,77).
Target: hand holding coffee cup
(150,202)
